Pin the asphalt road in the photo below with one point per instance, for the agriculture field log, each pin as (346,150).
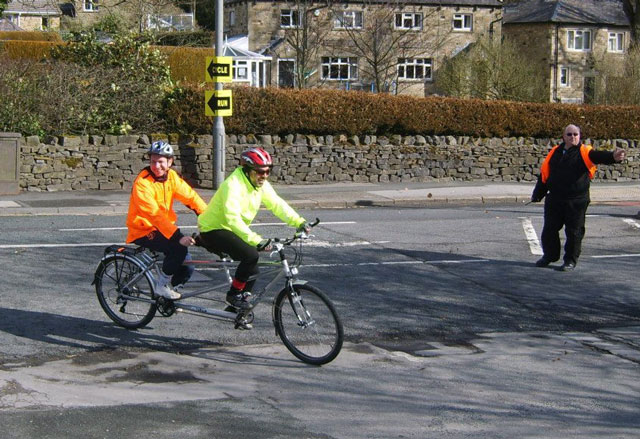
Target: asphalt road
(451,331)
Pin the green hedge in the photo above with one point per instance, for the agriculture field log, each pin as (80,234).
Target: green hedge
(321,112)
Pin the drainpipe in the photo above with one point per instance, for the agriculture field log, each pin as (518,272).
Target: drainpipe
(491,27)
(555,67)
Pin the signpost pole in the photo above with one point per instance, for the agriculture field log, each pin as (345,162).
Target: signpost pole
(218,126)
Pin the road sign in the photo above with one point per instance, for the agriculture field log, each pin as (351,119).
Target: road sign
(218,103)
(218,68)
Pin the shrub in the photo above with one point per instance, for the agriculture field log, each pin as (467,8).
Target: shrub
(57,98)
(135,59)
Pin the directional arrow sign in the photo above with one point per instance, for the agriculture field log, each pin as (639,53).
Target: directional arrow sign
(218,103)
(218,68)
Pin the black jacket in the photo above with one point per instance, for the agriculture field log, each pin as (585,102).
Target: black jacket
(568,174)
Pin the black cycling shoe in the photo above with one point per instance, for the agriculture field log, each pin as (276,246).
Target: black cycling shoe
(238,301)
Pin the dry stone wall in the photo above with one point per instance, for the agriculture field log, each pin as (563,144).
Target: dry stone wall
(112,162)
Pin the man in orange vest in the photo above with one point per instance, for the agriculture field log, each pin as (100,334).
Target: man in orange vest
(151,218)
(565,178)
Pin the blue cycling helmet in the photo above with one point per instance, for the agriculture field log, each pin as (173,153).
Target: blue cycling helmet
(162,148)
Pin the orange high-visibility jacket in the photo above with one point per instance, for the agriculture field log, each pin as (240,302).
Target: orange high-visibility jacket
(584,152)
(151,204)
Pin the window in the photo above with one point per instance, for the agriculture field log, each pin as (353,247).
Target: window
(338,68)
(616,42)
(414,68)
(348,20)
(89,6)
(564,76)
(462,22)
(45,23)
(289,18)
(240,70)
(579,40)
(408,20)
(232,18)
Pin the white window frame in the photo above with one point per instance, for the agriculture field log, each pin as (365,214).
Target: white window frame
(615,42)
(336,64)
(408,21)
(293,17)
(415,69)
(89,6)
(240,71)
(577,42)
(462,22)
(348,20)
(564,76)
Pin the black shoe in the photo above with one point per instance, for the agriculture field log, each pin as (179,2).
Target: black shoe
(567,266)
(542,262)
(238,301)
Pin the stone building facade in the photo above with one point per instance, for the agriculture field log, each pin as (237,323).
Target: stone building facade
(565,39)
(424,33)
(112,162)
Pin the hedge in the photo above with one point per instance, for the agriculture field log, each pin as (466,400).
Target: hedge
(321,112)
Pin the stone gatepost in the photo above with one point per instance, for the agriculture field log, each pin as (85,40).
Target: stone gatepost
(9,163)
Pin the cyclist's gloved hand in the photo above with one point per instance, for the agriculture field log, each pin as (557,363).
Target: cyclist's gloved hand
(304,227)
(264,246)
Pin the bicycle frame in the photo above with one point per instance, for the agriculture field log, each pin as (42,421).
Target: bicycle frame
(149,263)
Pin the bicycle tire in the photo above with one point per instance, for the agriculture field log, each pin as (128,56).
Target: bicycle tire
(317,336)
(113,273)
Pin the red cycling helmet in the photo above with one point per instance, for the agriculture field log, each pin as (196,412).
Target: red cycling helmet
(256,158)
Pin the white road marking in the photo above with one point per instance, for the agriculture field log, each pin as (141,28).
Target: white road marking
(627,255)
(435,262)
(632,222)
(92,229)
(532,236)
(88,244)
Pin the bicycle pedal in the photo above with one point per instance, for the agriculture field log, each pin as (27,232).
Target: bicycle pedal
(243,325)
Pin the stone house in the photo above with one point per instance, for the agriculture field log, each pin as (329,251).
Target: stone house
(34,15)
(138,15)
(412,37)
(565,38)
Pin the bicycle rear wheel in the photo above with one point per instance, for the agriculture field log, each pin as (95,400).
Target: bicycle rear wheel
(124,292)
(307,322)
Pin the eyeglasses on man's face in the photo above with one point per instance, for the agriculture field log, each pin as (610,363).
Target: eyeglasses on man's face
(572,134)
(265,171)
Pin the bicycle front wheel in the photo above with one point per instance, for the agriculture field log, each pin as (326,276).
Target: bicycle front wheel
(124,292)
(307,322)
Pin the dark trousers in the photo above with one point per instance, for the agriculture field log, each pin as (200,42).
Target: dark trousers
(175,254)
(570,214)
(224,241)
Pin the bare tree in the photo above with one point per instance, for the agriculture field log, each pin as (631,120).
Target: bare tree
(491,70)
(305,32)
(632,9)
(381,40)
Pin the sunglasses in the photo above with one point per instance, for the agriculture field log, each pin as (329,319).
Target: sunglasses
(573,134)
(262,171)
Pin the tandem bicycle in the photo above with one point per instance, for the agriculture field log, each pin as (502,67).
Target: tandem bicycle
(304,317)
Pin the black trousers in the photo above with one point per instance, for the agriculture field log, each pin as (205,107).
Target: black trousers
(217,241)
(175,254)
(569,213)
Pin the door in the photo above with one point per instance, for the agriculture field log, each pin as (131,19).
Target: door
(286,69)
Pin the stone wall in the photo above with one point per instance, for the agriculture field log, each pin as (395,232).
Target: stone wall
(112,162)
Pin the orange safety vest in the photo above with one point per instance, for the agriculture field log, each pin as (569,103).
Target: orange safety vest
(584,152)
(151,204)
